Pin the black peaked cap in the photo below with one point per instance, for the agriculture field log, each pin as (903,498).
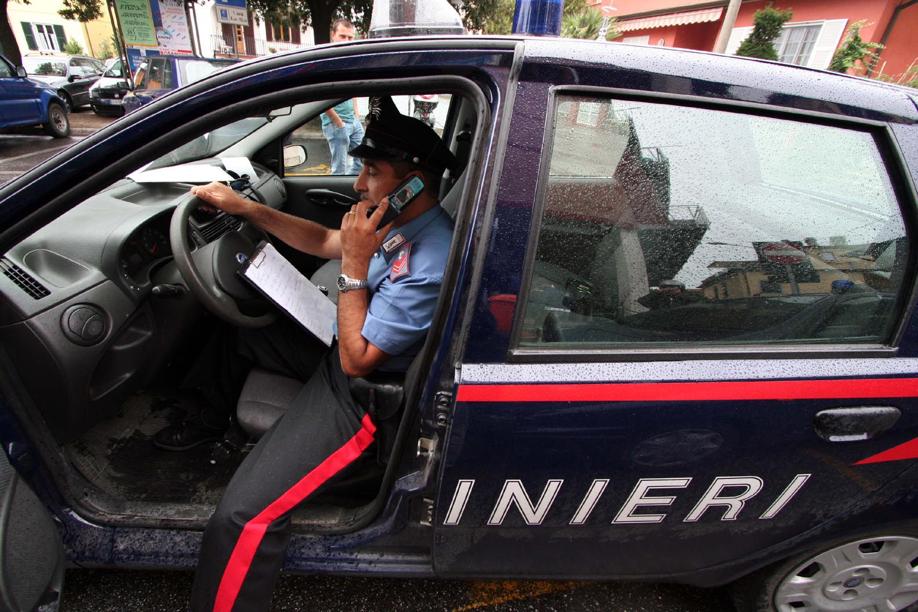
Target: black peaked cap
(391,135)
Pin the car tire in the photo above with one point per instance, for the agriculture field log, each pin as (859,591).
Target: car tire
(68,101)
(58,123)
(859,573)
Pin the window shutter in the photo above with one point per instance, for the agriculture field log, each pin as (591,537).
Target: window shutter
(737,36)
(829,36)
(61,38)
(29,36)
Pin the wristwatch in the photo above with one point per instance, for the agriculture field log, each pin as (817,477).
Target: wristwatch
(346,283)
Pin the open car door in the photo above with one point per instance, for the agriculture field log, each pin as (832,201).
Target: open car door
(31,552)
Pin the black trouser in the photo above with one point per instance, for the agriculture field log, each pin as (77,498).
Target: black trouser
(219,372)
(321,433)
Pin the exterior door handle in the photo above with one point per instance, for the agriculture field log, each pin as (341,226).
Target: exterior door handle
(854,424)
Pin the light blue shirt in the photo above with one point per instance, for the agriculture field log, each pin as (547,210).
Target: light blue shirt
(404,286)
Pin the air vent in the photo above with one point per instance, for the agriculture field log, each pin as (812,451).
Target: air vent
(219,226)
(22,278)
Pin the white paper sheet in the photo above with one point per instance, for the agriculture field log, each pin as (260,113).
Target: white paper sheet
(292,292)
(182,173)
(240,165)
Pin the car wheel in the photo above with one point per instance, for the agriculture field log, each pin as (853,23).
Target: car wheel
(58,123)
(870,573)
(68,101)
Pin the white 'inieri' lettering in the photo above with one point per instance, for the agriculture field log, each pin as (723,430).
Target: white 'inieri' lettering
(733,504)
(589,501)
(792,489)
(637,499)
(460,499)
(515,493)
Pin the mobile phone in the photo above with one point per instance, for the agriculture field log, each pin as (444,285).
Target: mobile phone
(399,199)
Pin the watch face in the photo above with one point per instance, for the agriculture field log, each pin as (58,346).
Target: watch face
(342,282)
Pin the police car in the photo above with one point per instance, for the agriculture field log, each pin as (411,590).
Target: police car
(676,338)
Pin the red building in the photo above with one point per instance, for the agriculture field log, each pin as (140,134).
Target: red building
(809,38)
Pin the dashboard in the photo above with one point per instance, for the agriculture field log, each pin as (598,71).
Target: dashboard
(78,298)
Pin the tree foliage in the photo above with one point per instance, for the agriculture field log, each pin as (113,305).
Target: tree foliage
(316,13)
(73,48)
(488,16)
(767,28)
(81,10)
(853,50)
(585,24)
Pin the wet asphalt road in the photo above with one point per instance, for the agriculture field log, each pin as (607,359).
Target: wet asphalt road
(117,591)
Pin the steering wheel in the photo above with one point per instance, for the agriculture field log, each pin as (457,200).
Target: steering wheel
(210,270)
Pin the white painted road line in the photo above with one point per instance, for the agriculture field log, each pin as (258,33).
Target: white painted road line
(48,151)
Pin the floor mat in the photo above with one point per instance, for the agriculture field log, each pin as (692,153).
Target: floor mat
(119,457)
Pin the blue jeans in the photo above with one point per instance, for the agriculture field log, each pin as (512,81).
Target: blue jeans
(339,141)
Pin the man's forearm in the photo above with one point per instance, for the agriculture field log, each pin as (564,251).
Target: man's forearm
(334,117)
(301,234)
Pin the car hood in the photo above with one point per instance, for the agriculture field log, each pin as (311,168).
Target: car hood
(56,81)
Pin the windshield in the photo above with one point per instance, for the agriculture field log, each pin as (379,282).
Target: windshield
(114,71)
(210,143)
(43,66)
(197,70)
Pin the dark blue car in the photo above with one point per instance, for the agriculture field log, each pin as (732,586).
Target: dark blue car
(25,102)
(158,75)
(676,339)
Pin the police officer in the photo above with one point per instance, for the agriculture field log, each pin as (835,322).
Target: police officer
(389,284)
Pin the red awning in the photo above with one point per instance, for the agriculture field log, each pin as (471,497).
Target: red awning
(673,19)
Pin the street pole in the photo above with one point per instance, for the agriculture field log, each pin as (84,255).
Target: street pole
(125,63)
(720,45)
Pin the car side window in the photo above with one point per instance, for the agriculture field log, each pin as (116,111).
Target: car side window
(168,75)
(327,144)
(5,69)
(663,223)
(153,79)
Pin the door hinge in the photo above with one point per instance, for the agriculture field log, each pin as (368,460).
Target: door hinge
(443,402)
(427,512)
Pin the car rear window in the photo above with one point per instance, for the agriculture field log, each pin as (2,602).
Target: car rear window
(663,223)
(44,67)
(197,70)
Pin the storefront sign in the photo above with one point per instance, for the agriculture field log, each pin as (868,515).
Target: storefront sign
(137,22)
(232,11)
(172,31)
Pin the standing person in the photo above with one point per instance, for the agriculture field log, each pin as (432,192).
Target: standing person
(341,124)
(389,287)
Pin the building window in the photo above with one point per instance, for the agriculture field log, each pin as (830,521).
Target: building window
(44,36)
(795,43)
(588,113)
(670,224)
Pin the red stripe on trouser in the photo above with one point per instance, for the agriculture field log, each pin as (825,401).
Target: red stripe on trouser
(254,530)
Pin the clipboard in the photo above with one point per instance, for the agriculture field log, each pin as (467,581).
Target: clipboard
(283,285)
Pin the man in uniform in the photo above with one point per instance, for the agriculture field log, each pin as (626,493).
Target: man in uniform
(389,285)
(341,124)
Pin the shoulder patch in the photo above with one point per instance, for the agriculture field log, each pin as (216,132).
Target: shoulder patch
(400,264)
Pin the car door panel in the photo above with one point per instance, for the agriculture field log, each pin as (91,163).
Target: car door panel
(570,457)
(31,553)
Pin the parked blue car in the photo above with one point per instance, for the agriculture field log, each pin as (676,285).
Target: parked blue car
(158,75)
(676,338)
(25,102)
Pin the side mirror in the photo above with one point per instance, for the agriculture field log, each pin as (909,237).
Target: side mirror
(72,78)
(21,72)
(294,155)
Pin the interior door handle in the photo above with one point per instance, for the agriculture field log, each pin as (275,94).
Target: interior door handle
(327,197)
(855,423)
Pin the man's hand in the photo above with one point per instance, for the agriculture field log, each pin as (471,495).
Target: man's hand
(223,197)
(359,238)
